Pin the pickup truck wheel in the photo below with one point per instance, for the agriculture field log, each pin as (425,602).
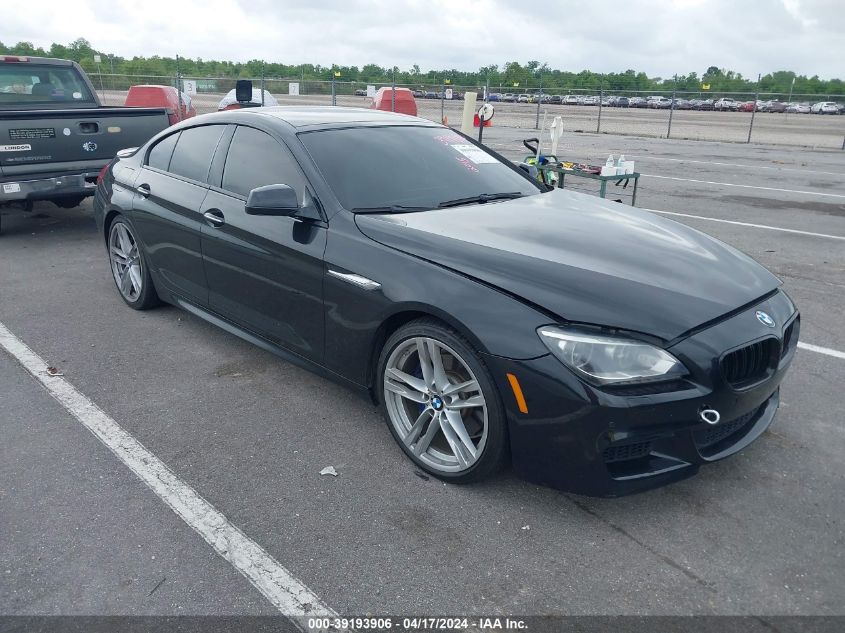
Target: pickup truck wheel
(129,268)
(68,202)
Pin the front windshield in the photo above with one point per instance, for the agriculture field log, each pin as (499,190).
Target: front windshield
(408,167)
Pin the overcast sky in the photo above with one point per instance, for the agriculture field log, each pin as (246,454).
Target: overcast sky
(659,37)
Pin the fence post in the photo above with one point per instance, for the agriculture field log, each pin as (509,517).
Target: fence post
(179,87)
(442,98)
(539,99)
(601,98)
(262,83)
(672,107)
(393,92)
(754,108)
(334,95)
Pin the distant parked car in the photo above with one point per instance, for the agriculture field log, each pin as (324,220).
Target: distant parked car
(509,97)
(229,102)
(726,104)
(775,106)
(399,100)
(621,102)
(825,107)
(570,100)
(419,94)
(798,108)
(591,100)
(523,98)
(747,106)
(706,104)
(179,106)
(638,102)
(494,96)
(431,95)
(555,99)
(360,93)
(659,103)
(681,104)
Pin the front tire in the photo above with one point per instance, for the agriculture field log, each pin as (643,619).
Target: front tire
(129,267)
(441,404)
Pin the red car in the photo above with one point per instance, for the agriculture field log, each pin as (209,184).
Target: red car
(405,102)
(747,106)
(162,96)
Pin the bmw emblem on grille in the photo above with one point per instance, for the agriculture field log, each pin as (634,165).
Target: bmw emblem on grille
(765,319)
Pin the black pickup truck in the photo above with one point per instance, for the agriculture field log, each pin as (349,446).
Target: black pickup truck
(55,135)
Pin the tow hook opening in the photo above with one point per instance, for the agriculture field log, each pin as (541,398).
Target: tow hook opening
(711,416)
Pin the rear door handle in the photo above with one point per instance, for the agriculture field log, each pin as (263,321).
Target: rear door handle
(143,190)
(214,217)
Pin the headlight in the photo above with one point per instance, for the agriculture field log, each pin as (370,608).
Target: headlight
(605,360)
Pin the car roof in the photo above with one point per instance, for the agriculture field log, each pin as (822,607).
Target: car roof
(333,116)
(46,61)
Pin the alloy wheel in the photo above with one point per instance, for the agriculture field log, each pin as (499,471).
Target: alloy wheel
(125,261)
(435,404)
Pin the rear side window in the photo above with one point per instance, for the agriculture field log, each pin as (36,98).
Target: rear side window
(256,159)
(194,151)
(25,83)
(161,152)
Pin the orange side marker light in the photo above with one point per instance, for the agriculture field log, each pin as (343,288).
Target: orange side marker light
(517,393)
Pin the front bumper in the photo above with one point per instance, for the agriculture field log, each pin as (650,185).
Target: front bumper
(60,186)
(610,443)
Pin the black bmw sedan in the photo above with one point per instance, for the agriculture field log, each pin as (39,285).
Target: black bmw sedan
(599,348)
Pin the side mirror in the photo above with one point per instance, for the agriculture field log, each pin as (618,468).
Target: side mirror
(243,90)
(272,200)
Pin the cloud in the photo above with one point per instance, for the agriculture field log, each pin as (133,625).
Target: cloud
(658,37)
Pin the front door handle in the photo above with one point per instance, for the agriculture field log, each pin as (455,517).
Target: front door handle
(143,190)
(214,217)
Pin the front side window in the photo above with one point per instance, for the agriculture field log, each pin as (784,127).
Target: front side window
(256,159)
(404,166)
(194,151)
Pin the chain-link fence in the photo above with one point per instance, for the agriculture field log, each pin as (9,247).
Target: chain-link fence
(772,118)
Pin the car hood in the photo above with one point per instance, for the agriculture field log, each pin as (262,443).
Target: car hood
(584,259)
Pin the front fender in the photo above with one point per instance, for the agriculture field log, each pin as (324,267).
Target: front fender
(492,321)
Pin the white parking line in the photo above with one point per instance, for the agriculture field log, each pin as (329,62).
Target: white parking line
(822,350)
(711,162)
(731,184)
(288,594)
(751,224)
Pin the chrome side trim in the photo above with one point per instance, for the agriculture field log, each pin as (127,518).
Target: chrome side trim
(356,280)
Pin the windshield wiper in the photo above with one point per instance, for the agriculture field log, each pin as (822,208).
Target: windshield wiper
(481,198)
(391,208)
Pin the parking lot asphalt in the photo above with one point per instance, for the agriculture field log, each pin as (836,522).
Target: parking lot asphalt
(759,533)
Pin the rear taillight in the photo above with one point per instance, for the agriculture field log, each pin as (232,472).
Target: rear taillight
(13,58)
(102,174)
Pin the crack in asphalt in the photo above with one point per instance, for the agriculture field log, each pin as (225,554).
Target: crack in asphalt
(663,557)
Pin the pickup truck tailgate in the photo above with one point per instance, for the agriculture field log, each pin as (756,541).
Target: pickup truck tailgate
(34,141)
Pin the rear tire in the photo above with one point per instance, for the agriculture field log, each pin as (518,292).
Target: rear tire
(129,267)
(441,404)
